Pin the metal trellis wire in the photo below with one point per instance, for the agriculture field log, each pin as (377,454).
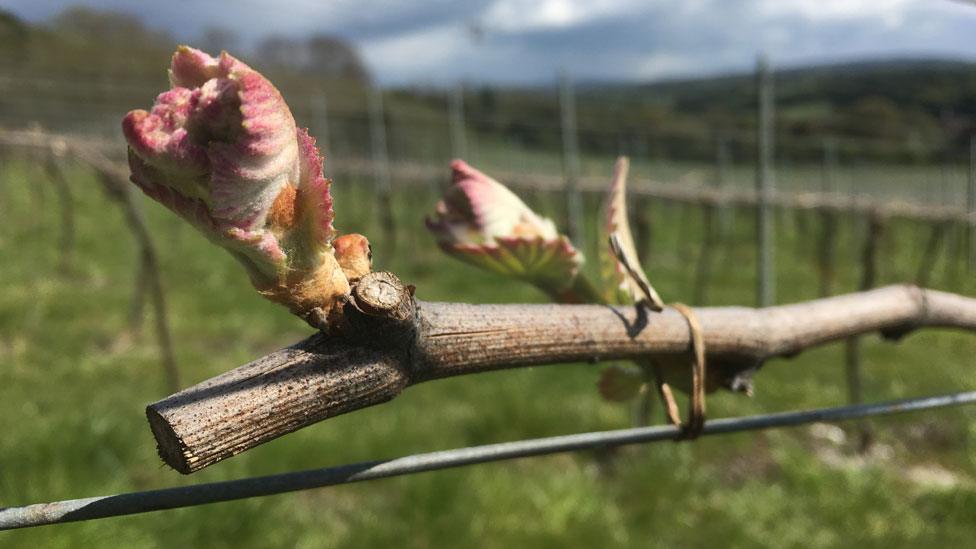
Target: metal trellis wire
(185,496)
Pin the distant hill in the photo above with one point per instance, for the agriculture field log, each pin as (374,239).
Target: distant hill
(935,85)
(902,109)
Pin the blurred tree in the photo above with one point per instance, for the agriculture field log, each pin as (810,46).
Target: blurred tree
(108,27)
(488,100)
(321,55)
(76,42)
(278,52)
(14,35)
(332,57)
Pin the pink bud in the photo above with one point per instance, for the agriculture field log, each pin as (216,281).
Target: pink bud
(222,150)
(476,208)
(482,222)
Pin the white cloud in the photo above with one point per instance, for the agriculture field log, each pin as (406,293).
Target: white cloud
(820,10)
(526,41)
(423,55)
(521,15)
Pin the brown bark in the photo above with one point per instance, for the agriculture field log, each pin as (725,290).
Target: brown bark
(383,349)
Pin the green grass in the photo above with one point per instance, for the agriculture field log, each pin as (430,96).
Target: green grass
(74,382)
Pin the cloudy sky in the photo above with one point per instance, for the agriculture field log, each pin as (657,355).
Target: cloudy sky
(527,41)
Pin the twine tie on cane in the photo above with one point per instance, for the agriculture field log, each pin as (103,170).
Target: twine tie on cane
(649,299)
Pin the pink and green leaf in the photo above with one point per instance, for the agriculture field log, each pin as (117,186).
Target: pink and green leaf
(482,222)
(545,263)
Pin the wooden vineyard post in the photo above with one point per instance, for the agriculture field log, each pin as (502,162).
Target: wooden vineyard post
(149,281)
(827,241)
(801,230)
(38,193)
(571,161)
(828,167)
(766,264)
(971,206)
(459,137)
(66,208)
(723,158)
(381,170)
(827,250)
(852,349)
(930,254)
(714,224)
(685,212)
(703,270)
(458,134)
(320,114)
(956,256)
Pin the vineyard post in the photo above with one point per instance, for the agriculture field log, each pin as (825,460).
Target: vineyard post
(971,204)
(571,161)
(828,166)
(723,157)
(709,230)
(826,250)
(852,354)
(766,281)
(801,230)
(956,257)
(703,271)
(38,196)
(381,168)
(828,219)
(459,139)
(55,171)
(944,199)
(930,253)
(320,114)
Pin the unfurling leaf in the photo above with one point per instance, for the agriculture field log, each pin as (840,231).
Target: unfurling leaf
(482,222)
(222,150)
(624,279)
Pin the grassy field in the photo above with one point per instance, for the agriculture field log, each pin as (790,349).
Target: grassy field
(74,381)
(925,183)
